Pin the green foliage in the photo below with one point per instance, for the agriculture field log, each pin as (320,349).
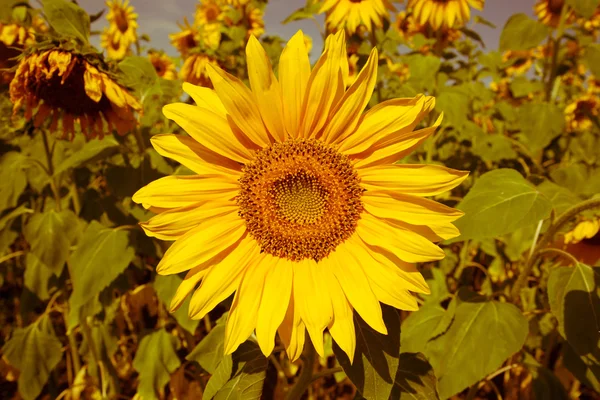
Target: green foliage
(585,8)
(540,123)
(67,19)
(522,33)
(13,178)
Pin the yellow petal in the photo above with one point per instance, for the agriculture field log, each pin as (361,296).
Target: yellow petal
(347,114)
(209,129)
(294,71)
(185,190)
(274,303)
(243,314)
(346,265)
(313,300)
(240,105)
(407,245)
(292,331)
(176,222)
(192,278)
(203,244)
(266,89)
(193,155)
(415,179)
(206,98)
(223,278)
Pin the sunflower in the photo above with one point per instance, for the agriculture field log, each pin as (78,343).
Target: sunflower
(163,65)
(122,22)
(579,112)
(115,48)
(254,20)
(591,25)
(186,39)
(195,71)
(13,39)
(586,229)
(351,14)
(65,86)
(444,13)
(549,11)
(209,12)
(519,61)
(298,206)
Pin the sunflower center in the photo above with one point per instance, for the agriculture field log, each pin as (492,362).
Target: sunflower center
(300,199)
(121,20)
(556,6)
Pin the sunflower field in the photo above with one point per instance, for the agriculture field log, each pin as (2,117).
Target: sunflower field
(397,209)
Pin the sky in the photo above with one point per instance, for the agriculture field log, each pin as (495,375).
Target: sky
(159,18)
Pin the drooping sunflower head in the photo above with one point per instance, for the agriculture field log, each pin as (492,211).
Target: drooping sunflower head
(122,21)
(186,39)
(578,114)
(298,205)
(195,69)
(549,11)
(351,14)
(59,85)
(163,65)
(444,13)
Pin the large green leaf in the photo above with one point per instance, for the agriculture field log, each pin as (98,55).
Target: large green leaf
(219,377)
(67,18)
(37,276)
(13,178)
(591,58)
(165,287)
(545,384)
(585,8)
(454,104)
(418,328)
(414,379)
(50,234)
(101,255)
(522,33)
(561,198)
(482,335)
(155,361)
(500,202)
(89,152)
(209,352)
(248,379)
(585,368)
(574,295)
(540,123)
(376,357)
(35,351)
(140,75)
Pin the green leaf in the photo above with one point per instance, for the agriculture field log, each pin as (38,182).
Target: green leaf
(91,151)
(306,12)
(520,86)
(494,148)
(9,217)
(13,178)
(67,18)
(35,351)
(414,379)
(500,202)
(591,58)
(585,8)
(418,328)
(423,69)
(37,276)
(140,75)
(50,235)
(561,198)
(219,377)
(376,357)
(454,104)
(247,382)
(209,352)
(574,296)
(165,287)
(540,123)
(522,33)
(101,255)
(545,384)
(155,361)
(482,335)
(585,368)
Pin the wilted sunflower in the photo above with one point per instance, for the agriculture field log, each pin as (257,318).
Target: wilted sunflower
(298,206)
(61,85)
(122,22)
(548,12)
(163,65)
(186,39)
(195,69)
(350,14)
(444,13)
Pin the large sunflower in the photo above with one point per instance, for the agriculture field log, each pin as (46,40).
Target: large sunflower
(297,205)
(444,13)
(122,22)
(549,11)
(350,14)
(65,86)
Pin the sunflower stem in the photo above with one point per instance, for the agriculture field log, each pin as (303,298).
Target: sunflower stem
(555,49)
(306,375)
(546,239)
(53,185)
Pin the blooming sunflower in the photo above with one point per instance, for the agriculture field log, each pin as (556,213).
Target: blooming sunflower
(444,13)
(163,65)
(209,17)
(194,69)
(122,22)
(578,113)
(519,61)
(298,206)
(350,14)
(66,86)
(115,48)
(186,39)
(548,12)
